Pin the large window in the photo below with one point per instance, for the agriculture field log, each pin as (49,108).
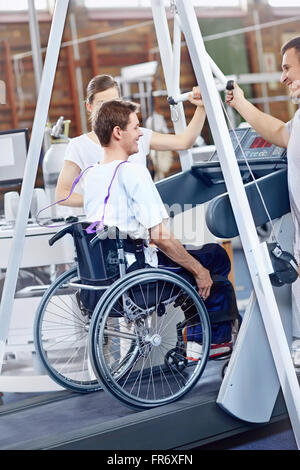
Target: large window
(284,3)
(21,5)
(147,3)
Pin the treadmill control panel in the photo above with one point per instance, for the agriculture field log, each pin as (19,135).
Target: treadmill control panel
(262,156)
(255,148)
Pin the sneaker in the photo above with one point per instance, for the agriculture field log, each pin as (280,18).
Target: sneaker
(193,351)
(219,350)
(295,352)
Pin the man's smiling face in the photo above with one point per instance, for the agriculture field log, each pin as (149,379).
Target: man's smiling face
(291,73)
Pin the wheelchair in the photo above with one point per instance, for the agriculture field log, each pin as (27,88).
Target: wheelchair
(100,327)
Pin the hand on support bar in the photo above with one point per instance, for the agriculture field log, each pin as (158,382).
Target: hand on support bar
(230,85)
(178,99)
(185,96)
(233,94)
(193,96)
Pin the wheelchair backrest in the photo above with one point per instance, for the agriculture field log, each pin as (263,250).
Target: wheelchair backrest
(97,263)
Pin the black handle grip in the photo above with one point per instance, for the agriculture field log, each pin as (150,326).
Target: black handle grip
(230,85)
(60,234)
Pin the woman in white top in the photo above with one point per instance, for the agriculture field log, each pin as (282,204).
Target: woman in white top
(86,150)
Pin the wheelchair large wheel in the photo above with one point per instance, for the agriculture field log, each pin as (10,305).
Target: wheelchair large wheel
(143,319)
(61,332)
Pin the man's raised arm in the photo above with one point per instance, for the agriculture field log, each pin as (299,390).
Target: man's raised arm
(270,128)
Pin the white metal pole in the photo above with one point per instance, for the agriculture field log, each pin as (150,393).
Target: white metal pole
(176,56)
(222,78)
(35,42)
(35,45)
(78,73)
(165,49)
(252,247)
(34,150)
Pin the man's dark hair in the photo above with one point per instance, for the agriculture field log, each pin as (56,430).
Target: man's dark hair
(292,43)
(100,83)
(110,114)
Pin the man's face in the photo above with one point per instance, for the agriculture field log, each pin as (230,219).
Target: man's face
(131,135)
(291,73)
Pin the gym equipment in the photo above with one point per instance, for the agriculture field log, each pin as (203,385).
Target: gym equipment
(54,158)
(273,342)
(14,146)
(261,339)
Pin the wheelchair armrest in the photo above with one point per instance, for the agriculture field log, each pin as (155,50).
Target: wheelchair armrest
(60,234)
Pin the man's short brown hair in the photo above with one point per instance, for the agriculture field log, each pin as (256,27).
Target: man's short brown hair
(292,43)
(110,114)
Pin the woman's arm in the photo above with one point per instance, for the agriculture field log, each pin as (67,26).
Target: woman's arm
(64,184)
(186,139)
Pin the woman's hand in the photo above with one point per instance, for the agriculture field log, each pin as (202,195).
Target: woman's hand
(195,97)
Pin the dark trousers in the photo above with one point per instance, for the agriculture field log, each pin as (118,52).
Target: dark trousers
(221,303)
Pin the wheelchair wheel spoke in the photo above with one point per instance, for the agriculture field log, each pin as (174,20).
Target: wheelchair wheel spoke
(61,336)
(143,363)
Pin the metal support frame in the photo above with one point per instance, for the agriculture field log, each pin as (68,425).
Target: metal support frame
(35,45)
(271,329)
(34,150)
(165,48)
(176,56)
(78,73)
(37,58)
(171,67)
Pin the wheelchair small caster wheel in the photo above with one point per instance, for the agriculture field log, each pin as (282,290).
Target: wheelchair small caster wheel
(175,359)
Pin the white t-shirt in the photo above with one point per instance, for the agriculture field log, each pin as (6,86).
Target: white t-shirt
(134,204)
(293,157)
(85,152)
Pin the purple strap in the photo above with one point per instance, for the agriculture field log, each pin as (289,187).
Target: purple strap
(100,223)
(61,200)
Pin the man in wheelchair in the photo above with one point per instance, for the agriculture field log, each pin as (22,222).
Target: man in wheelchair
(118,193)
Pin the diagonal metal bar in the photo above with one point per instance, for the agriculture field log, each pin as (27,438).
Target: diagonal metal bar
(252,247)
(33,156)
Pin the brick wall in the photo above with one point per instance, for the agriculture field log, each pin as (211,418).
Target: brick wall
(108,55)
